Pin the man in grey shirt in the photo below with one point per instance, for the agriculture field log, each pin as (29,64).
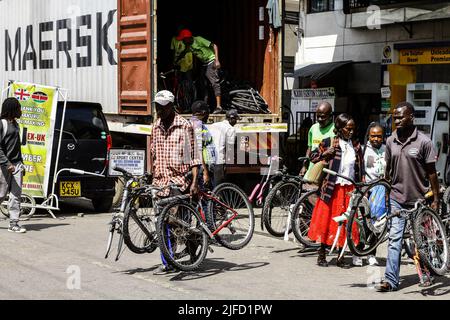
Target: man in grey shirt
(11,172)
(410,162)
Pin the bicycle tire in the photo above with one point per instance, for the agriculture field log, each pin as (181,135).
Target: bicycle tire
(25,212)
(301,217)
(139,211)
(371,235)
(436,256)
(242,227)
(180,219)
(285,194)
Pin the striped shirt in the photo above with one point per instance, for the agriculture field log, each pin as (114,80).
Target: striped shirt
(173,153)
(327,187)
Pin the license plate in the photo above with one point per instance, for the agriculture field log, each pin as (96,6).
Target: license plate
(70,189)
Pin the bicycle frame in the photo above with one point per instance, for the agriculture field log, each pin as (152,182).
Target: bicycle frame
(224,224)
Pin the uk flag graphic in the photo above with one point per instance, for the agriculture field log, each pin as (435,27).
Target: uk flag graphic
(22,94)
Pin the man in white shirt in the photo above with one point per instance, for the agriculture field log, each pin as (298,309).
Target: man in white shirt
(224,136)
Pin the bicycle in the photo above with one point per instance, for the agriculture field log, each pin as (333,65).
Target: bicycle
(280,202)
(137,217)
(428,232)
(185,230)
(117,222)
(184,90)
(302,212)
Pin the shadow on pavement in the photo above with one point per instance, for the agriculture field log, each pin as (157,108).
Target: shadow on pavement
(212,267)
(440,287)
(41,226)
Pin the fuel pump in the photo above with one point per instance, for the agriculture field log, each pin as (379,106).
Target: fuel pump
(431,103)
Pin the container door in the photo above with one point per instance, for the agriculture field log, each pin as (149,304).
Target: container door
(135,56)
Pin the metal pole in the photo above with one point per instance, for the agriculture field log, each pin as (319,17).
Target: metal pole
(60,138)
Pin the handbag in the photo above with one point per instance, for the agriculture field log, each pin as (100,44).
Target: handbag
(316,174)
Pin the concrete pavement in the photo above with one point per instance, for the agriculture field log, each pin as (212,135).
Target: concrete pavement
(64,259)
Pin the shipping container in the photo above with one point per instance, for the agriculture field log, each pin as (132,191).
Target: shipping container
(111,51)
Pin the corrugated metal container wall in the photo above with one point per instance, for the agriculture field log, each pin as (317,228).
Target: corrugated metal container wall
(65,43)
(244,51)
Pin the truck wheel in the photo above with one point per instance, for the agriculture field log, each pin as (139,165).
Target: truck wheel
(102,205)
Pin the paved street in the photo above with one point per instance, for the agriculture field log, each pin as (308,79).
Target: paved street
(44,264)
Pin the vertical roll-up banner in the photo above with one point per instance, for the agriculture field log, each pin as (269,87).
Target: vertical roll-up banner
(37,125)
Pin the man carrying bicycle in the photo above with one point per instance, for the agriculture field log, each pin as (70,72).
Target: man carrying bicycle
(208,54)
(410,161)
(172,151)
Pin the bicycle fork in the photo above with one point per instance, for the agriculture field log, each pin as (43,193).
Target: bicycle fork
(419,268)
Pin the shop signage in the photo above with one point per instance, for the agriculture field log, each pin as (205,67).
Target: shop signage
(317,93)
(389,55)
(385,92)
(425,56)
(385,105)
(131,160)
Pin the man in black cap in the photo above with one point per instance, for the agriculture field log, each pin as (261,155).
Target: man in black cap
(224,136)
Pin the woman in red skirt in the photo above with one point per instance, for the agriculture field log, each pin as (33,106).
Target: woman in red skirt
(345,157)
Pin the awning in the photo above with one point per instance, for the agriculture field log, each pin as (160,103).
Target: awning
(319,70)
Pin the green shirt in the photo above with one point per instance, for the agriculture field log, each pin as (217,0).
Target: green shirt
(185,63)
(315,136)
(202,50)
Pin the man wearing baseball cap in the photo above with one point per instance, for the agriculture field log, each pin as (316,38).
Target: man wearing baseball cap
(172,146)
(208,54)
(224,138)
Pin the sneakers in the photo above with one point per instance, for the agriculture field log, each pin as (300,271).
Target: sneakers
(357,261)
(163,269)
(372,260)
(16,228)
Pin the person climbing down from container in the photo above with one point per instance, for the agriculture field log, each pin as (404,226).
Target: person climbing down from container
(208,54)
(324,128)
(186,63)
(374,169)
(344,156)
(11,161)
(205,145)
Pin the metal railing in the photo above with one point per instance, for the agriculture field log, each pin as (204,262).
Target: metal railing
(355,5)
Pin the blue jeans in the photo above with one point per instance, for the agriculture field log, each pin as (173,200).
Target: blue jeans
(396,227)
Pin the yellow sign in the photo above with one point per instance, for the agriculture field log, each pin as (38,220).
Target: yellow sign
(425,56)
(38,109)
(70,188)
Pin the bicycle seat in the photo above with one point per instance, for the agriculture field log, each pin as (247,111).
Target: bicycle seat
(341,218)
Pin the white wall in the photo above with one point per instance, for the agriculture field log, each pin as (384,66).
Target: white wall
(326,38)
(94,81)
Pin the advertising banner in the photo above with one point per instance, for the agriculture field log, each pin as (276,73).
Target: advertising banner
(36,127)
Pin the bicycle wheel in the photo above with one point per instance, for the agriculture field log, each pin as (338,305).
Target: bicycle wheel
(429,235)
(366,227)
(301,217)
(408,242)
(186,94)
(182,239)
(27,206)
(139,224)
(280,200)
(239,231)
